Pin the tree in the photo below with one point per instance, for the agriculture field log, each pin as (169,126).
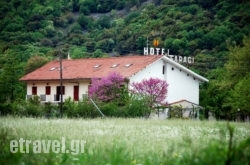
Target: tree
(229,85)
(110,88)
(237,79)
(238,65)
(239,99)
(10,71)
(153,88)
(35,62)
(83,21)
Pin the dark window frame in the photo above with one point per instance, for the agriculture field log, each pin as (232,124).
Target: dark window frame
(48,90)
(34,90)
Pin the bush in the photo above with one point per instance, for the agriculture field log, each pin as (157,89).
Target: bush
(83,21)
(175,112)
(137,108)
(86,109)
(69,108)
(5,109)
(109,109)
(33,110)
(81,109)
(76,28)
(51,110)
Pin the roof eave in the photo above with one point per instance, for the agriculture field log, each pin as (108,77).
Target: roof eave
(64,79)
(199,77)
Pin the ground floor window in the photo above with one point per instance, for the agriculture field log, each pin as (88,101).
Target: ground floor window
(76,93)
(47,90)
(58,92)
(34,90)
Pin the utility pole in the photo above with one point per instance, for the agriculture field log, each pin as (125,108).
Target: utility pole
(61,84)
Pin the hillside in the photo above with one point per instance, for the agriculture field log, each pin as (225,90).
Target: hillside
(93,28)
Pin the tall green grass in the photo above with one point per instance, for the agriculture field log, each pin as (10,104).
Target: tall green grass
(130,141)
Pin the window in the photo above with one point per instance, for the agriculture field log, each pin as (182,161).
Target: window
(163,69)
(58,90)
(34,90)
(53,68)
(128,65)
(97,66)
(76,93)
(47,90)
(115,65)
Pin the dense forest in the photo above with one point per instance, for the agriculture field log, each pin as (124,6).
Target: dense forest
(216,32)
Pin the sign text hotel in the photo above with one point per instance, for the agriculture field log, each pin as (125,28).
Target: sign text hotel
(161,51)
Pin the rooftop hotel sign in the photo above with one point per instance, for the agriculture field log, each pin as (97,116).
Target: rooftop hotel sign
(161,51)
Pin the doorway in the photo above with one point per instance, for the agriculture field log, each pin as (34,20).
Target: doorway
(76,93)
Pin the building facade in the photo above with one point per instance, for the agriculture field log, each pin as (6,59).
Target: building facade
(77,75)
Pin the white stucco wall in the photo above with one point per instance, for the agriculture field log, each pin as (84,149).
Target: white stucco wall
(69,89)
(153,70)
(181,86)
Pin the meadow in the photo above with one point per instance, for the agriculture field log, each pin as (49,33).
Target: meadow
(112,141)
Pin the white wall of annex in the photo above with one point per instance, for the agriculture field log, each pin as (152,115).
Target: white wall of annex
(153,70)
(182,86)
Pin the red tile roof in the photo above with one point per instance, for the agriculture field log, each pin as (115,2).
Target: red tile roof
(91,68)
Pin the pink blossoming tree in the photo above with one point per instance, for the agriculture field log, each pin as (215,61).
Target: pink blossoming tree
(107,88)
(154,89)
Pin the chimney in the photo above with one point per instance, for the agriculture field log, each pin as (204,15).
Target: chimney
(69,58)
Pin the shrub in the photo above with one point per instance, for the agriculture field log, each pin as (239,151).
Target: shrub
(46,42)
(137,108)
(5,109)
(76,28)
(108,88)
(175,112)
(69,108)
(104,22)
(86,109)
(109,109)
(51,110)
(83,21)
(34,110)
(154,89)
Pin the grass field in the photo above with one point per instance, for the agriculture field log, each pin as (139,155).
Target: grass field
(112,141)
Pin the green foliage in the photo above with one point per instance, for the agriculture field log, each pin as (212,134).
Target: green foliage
(34,63)
(137,108)
(5,109)
(77,52)
(104,22)
(229,86)
(239,97)
(214,143)
(10,71)
(83,21)
(82,108)
(96,27)
(6,135)
(110,109)
(175,112)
